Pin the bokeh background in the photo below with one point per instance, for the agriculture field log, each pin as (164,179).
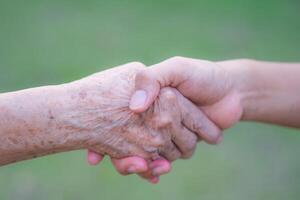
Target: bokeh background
(50,42)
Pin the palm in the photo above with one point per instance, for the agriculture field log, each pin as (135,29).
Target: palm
(226,112)
(211,88)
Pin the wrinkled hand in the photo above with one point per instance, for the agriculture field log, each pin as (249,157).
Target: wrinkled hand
(168,129)
(209,85)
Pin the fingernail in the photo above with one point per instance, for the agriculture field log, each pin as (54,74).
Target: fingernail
(138,99)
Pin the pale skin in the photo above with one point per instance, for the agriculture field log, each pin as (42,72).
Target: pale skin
(94,113)
(227,91)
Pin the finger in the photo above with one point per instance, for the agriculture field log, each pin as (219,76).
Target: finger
(156,168)
(170,120)
(185,140)
(167,121)
(196,121)
(130,165)
(160,167)
(94,158)
(170,151)
(171,72)
(146,91)
(149,81)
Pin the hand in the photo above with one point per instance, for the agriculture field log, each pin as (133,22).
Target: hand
(166,116)
(208,84)
(226,91)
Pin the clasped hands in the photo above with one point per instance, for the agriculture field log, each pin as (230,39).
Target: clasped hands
(145,118)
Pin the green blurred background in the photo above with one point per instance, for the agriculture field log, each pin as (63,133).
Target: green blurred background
(50,42)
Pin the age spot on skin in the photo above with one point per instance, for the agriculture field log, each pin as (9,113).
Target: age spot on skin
(51,117)
(82,94)
(13,140)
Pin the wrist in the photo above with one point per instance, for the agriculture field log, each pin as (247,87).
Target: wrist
(267,91)
(31,124)
(246,84)
(67,105)
(90,110)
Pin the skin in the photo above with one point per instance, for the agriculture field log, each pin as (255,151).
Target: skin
(227,91)
(94,113)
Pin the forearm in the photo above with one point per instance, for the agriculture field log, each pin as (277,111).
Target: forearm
(31,126)
(269,92)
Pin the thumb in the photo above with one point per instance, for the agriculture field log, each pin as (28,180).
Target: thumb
(146,91)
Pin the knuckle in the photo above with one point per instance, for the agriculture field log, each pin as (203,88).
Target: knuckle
(170,152)
(179,60)
(141,75)
(164,121)
(188,151)
(137,64)
(198,127)
(158,141)
(188,155)
(152,152)
(191,144)
(174,155)
(168,94)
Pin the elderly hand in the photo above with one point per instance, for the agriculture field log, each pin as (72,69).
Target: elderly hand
(94,113)
(207,84)
(171,120)
(227,91)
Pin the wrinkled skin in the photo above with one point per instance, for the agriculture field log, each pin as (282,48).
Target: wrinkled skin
(227,91)
(102,110)
(183,137)
(94,113)
(209,85)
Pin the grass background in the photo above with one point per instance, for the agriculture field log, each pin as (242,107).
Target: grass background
(50,42)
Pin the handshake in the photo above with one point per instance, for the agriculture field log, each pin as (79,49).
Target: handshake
(145,118)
